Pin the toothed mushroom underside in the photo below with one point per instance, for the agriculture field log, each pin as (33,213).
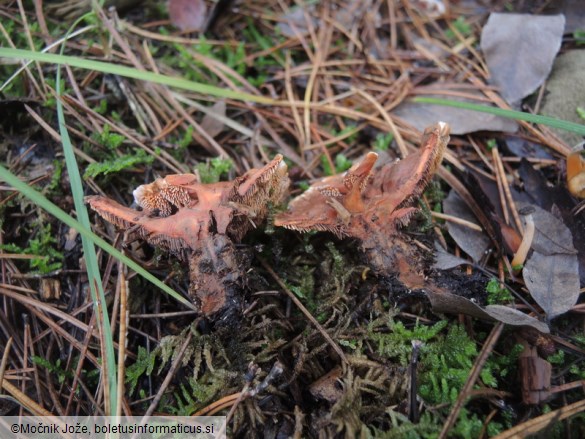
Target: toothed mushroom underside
(371,205)
(200,223)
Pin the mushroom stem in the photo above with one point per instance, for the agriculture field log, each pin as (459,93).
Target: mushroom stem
(522,252)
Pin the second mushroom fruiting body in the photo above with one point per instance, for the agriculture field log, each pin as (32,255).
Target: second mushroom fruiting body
(371,204)
(201,223)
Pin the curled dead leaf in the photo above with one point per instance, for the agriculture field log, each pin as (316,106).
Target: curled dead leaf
(188,15)
(445,302)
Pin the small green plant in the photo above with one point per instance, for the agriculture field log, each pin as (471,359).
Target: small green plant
(181,142)
(446,364)
(435,196)
(491,144)
(506,365)
(202,352)
(341,163)
(424,213)
(58,166)
(125,161)
(462,26)
(300,279)
(581,112)
(497,293)
(233,56)
(52,83)
(198,393)
(109,139)
(306,287)
(304,185)
(186,140)
(350,130)
(579,36)
(113,161)
(214,169)
(56,368)
(43,246)
(144,364)
(102,107)
(65,372)
(382,141)
(397,344)
(276,57)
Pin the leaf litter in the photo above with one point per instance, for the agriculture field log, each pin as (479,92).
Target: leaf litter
(340,78)
(473,242)
(551,273)
(510,42)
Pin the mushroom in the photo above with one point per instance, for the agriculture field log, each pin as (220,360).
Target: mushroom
(201,223)
(527,238)
(371,204)
(576,172)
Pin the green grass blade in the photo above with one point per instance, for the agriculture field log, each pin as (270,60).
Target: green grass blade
(37,198)
(93,271)
(510,114)
(231,94)
(130,72)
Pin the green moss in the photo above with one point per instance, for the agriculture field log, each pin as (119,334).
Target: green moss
(43,246)
(125,161)
(497,293)
(579,36)
(201,356)
(109,139)
(382,141)
(144,364)
(198,393)
(446,364)
(341,163)
(58,166)
(397,343)
(462,26)
(212,171)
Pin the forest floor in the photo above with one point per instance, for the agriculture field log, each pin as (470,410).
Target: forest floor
(464,321)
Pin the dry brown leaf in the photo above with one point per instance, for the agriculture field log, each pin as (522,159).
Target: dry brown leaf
(460,120)
(520,50)
(553,281)
(213,125)
(444,302)
(188,15)
(551,273)
(472,242)
(445,260)
(294,22)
